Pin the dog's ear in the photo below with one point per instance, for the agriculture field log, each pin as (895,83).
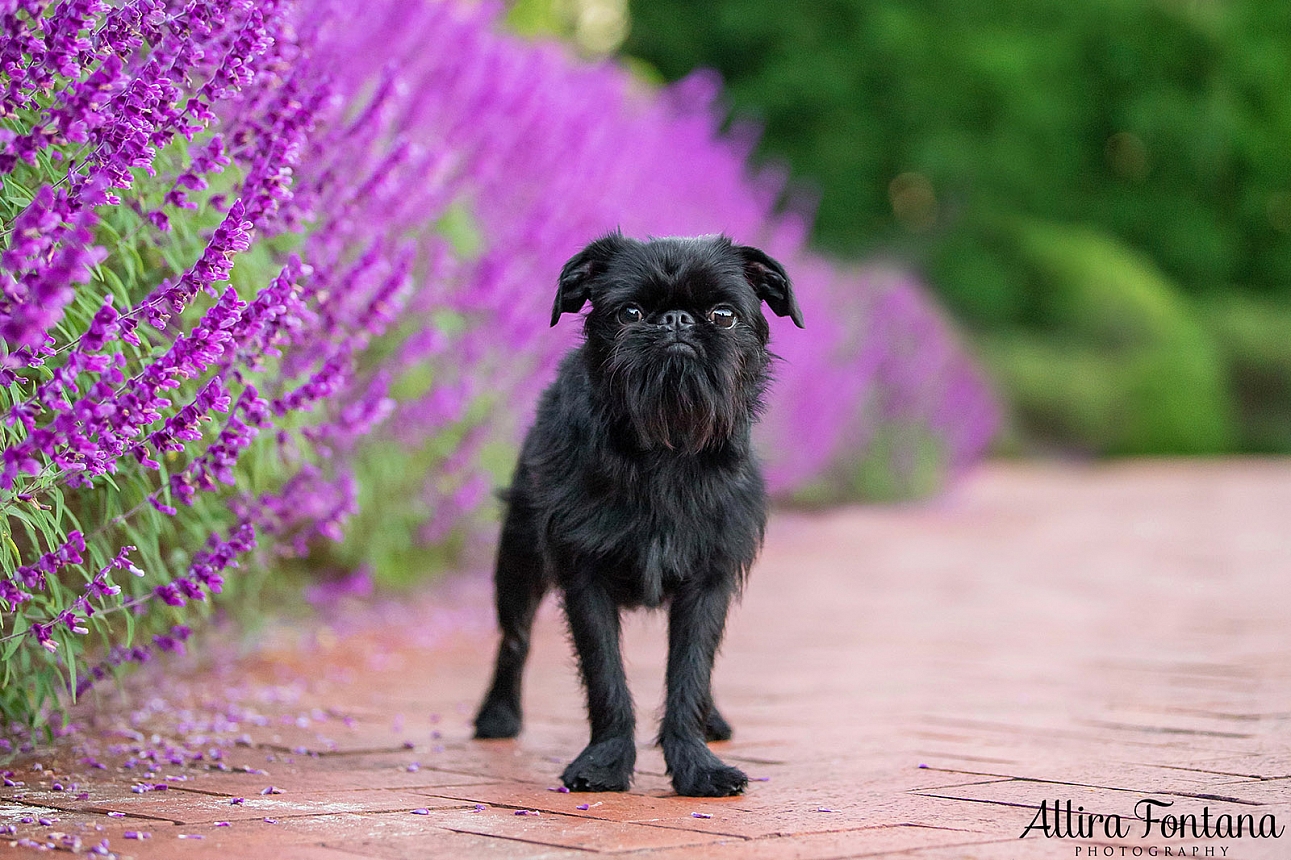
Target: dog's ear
(573,288)
(770,283)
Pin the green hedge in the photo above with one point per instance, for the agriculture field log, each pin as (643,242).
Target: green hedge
(933,129)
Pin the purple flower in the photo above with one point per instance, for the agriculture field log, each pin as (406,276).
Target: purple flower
(384,128)
(51,250)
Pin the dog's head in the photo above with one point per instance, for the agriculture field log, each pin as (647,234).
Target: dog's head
(676,339)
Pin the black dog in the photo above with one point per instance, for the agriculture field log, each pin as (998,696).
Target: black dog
(636,485)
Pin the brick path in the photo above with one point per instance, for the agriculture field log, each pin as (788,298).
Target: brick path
(904,682)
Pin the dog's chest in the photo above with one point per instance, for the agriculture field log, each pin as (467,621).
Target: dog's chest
(660,529)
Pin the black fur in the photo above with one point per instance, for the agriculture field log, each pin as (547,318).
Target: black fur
(636,486)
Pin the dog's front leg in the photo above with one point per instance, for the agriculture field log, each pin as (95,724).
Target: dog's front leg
(695,623)
(607,762)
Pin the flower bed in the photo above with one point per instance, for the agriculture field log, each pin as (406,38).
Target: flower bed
(278,270)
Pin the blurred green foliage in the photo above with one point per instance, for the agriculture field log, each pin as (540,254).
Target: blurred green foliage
(1117,360)
(1100,191)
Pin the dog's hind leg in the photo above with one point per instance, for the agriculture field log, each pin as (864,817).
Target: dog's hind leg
(715,726)
(520,584)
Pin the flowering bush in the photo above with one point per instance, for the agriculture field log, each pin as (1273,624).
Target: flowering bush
(273,266)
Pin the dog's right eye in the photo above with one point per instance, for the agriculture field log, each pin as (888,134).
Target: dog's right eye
(631,314)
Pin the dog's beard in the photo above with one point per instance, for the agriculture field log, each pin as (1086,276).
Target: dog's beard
(677,399)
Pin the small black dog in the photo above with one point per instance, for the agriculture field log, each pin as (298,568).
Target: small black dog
(636,485)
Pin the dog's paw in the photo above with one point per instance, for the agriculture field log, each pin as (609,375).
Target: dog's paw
(604,766)
(696,772)
(716,728)
(497,719)
(720,781)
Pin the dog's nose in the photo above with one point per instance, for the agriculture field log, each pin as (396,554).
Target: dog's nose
(676,319)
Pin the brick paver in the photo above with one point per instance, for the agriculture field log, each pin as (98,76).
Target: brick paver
(904,682)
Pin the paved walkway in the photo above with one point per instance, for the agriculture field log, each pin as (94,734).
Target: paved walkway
(904,682)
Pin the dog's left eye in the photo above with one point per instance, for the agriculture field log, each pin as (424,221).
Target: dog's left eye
(722,316)
(631,314)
